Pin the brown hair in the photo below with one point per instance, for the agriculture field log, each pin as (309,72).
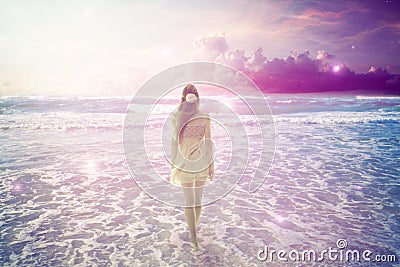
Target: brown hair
(185,107)
(189,89)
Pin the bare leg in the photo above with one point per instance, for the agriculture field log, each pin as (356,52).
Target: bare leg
(198,192)
(190,215)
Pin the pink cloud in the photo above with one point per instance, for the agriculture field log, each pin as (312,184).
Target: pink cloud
(210,47)
(235,59)
(299,72)
(256,61)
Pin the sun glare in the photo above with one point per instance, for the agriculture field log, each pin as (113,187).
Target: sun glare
(165,53)
(280,219)
(90,166)
(336,68)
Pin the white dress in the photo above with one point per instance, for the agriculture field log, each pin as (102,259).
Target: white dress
(189,150)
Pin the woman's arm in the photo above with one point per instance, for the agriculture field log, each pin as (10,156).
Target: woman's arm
(209,145)
(174,142)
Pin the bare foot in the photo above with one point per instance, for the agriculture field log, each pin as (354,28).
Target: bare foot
(196,247)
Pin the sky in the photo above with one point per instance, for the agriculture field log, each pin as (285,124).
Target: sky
(110,48)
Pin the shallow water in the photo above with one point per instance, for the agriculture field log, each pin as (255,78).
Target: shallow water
(67,197)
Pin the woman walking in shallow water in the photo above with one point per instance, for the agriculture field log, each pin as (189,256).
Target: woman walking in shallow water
(192,157)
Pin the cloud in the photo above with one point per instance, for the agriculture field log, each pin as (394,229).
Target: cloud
(210,47)
(257,61)
(214,48)
(300,72)
(86,42)
(324,55)
(235,59)
(293,66)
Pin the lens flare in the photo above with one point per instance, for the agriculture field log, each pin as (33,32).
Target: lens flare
(336,68)
(280,219)
(90,166)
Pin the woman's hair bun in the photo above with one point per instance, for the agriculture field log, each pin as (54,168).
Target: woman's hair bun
(191,98)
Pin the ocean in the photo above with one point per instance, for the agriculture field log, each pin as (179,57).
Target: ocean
(68,198)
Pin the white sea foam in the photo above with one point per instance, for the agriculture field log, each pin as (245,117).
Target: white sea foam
(285,101)
(378,97)
(68,198)
(338,118)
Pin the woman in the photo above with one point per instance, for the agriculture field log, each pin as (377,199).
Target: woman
(192,157)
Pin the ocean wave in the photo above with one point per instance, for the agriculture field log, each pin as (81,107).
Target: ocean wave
(391,109)
(378,97)
(279,104)
(74,121)
(66,127)
(78,114)
(61,121)
(339,118)
(80,105)
(285,101)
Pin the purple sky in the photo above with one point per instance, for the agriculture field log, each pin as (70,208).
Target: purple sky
(110,47)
